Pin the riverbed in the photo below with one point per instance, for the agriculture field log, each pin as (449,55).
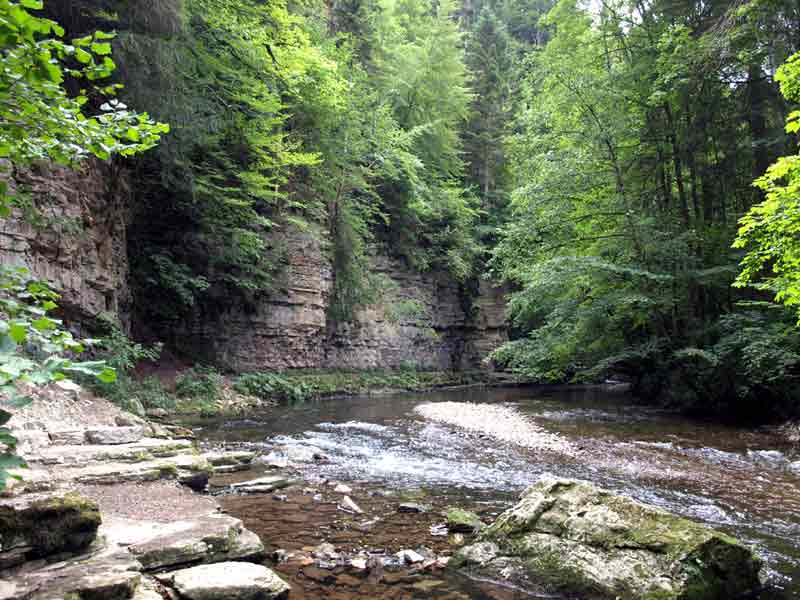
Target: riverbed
(735,479)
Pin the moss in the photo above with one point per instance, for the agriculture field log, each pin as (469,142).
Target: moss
(462,521)
(548,568)
(167,471)
(53,525)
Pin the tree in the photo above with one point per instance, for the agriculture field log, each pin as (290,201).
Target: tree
(770,231)
(642,126)
(39,120)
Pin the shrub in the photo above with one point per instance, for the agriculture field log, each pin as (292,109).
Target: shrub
(203,384)
(273,386)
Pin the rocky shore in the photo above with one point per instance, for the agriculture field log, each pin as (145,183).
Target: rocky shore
(107,510)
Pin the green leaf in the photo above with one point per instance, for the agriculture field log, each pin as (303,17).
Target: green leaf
(101,48)
(44,324)
(18,332)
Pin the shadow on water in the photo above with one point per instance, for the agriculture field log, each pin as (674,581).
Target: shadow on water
(735,479)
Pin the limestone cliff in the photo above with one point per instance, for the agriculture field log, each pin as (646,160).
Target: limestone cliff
(418,320)
(70,231)
(79,244)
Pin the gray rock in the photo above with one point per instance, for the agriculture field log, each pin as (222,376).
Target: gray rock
(412,507)
(262,484)
(574,538)
(230,581)
(410,557)
(115,435)
(106,576)
(349,506)
(45,525)
(794,467)
(211,539)
(462,521)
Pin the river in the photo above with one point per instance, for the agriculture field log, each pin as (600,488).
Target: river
(734,479)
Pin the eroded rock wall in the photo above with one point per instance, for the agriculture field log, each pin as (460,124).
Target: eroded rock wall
(419,320)
(78,243)
(71,232)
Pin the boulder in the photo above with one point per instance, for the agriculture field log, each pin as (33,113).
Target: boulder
(572,537)
(40,526)
(115,435)
(230,581)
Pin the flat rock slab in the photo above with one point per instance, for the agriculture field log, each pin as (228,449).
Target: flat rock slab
(106,576)
(138,451)
(115,435)
(230,581)
(261,484)
(209,539)
(572,537)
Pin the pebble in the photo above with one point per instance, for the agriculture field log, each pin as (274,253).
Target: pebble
(343,489)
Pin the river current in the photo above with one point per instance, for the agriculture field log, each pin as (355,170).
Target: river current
(735,479)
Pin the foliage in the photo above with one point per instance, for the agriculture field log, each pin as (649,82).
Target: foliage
(770,229)
(199,383)
(35,350)
(298,387)
(273,386)
(137,394)
(626,180)
(38,118)
(121,353)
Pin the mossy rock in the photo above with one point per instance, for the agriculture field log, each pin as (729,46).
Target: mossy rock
(49,525)
(462,521)
(576,538)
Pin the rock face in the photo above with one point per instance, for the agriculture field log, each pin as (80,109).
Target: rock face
(230,581)
(76,239)
(570,536)
(419,320)
(79,245)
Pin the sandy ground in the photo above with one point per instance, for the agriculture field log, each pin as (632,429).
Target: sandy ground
(503,423)
(55,409)
(161,501)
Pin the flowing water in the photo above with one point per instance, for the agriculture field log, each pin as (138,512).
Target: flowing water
(737,480)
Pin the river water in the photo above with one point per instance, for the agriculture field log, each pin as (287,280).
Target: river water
(735,479)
